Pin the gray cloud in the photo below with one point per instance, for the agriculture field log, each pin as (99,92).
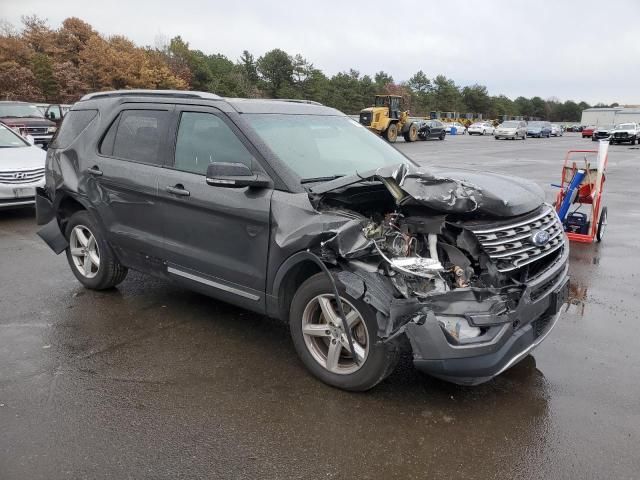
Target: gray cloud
(570,50)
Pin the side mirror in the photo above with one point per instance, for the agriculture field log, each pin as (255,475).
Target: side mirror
(235,175)
(30,139)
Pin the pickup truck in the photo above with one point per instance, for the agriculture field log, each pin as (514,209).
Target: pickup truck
(625,132)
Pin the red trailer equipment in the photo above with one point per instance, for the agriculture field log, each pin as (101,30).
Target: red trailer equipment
(585,227)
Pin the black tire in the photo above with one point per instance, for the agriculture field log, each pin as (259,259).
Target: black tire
(411,135)
(391,133)
(109,272)
(593,139)
(381,358)
(602,224)
(442,135)
(633,141)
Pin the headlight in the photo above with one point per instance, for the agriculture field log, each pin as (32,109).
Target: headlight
(459,328)
(52,129)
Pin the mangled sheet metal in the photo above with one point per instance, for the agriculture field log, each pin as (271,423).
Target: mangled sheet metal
(451,191)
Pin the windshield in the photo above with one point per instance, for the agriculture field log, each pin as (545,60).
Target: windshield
(323,146)
(625,126)
(605,127)
(19,110)
(535,124)
(509,125)
(9,139)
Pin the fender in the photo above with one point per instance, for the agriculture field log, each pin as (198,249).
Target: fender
(46,215)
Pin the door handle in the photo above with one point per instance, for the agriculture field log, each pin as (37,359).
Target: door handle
(178,190)
(95,170)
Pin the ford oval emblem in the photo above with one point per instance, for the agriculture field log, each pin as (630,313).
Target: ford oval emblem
(540,238)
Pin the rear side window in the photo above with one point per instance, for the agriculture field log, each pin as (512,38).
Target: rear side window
(72,126)
(203,139)
(136,135)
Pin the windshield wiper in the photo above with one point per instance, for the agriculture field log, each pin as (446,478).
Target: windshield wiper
(320,179)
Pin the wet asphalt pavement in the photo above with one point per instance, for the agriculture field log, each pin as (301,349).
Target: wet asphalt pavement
(153,381)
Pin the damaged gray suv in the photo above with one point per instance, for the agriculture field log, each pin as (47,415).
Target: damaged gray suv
(293,210)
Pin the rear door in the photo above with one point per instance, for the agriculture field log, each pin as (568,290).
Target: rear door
(122,181)
(216,237)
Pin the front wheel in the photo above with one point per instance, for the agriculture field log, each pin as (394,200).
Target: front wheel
(321,342)
(442,135)
(90,257)
(411,135)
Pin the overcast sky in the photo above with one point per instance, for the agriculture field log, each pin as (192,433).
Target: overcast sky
(579,50)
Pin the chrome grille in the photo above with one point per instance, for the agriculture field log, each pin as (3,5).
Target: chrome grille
(21,176)
(37,130)
(509,246)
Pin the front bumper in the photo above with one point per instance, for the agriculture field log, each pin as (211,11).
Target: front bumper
(18,195)
(516,331)
(506,134)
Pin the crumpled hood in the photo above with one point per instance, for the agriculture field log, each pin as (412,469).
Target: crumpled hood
(456,191)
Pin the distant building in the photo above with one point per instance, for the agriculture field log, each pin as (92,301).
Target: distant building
(609,116)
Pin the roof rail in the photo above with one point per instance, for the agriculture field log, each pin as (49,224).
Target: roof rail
(294,100)
(152,93)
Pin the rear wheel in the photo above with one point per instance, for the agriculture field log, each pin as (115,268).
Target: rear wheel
(90,256)
(321,342)
(602,225)
(411,135)
(391,133)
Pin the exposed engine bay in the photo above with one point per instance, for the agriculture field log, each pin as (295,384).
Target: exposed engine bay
(457,251)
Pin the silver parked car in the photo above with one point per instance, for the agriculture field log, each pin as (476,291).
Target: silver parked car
(513,129)
(556,130)
(21,169)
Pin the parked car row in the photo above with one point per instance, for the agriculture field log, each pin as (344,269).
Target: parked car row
(621,133)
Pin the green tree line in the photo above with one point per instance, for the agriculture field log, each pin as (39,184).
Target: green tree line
(39,63)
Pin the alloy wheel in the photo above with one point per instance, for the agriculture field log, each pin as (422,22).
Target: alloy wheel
(84,251)
(325,337)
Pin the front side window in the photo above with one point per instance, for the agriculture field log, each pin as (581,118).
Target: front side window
(204,138)
(136,135)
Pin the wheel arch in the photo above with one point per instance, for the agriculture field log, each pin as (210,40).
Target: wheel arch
(291,274)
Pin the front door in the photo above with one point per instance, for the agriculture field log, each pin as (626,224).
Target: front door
(216,238)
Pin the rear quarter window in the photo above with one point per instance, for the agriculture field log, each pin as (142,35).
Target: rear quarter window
(72,126)
(136,135)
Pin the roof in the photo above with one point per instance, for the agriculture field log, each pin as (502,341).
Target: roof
(240,105)
(285,106)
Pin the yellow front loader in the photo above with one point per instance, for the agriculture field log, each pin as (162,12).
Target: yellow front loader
(387,118)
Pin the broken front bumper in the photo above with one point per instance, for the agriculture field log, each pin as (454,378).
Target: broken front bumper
(512,333)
